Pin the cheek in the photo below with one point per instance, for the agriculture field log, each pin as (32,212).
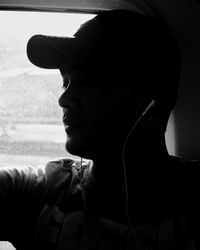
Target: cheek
(104,116)
(103,111)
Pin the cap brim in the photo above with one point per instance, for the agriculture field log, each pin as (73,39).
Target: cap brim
(50,52)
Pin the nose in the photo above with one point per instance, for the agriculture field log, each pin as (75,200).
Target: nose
(68,99)
(62,101)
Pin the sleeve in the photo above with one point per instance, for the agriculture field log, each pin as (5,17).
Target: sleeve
(20,201)
(24,192)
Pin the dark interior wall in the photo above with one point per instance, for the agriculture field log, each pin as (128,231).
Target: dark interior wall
(187,113)
(183,18)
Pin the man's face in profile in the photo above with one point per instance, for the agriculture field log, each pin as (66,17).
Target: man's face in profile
(94,114)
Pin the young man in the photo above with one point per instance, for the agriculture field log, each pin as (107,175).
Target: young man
(120,79)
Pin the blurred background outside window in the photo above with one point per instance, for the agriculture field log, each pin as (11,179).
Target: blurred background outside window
(31,129)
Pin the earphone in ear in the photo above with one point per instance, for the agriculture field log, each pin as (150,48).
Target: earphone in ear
(149,106)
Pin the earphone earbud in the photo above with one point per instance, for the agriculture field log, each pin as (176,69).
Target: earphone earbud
(150,105)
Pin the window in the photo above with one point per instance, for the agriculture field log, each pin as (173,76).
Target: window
(31,130)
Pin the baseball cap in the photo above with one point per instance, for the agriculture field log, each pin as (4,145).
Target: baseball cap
(101,41)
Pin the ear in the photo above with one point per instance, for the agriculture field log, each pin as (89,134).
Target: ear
(165,94)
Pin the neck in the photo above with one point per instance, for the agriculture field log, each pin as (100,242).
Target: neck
(144,160)
(139,160)
(143,154)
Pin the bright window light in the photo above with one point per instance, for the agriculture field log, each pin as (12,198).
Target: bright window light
(31,129)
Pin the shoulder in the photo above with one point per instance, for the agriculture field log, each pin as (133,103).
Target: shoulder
(187,179)
(187,173)
(57,166)
(56,175)
(66,170)
(185,168)
(19,175)
(22,174)
(65,166)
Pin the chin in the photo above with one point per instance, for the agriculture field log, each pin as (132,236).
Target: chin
(75,147)
(79,147)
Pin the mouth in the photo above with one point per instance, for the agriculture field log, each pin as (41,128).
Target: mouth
(71,127)
(70,122)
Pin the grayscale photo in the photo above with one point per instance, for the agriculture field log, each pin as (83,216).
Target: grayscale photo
(100,125)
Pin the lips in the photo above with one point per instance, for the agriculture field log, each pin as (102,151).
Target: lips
(71,123)
(70,120)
